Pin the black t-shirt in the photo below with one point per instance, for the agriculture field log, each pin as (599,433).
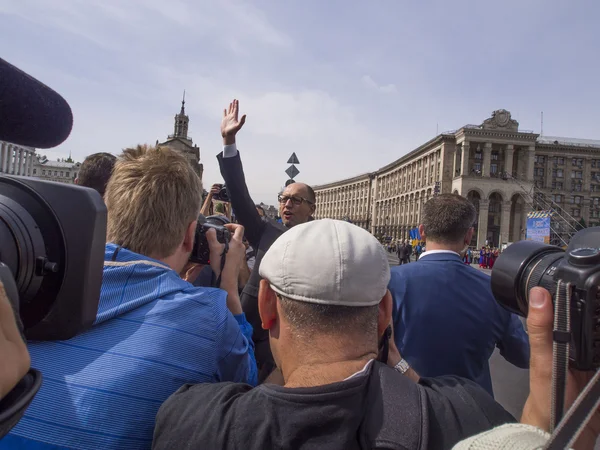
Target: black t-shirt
(377,409)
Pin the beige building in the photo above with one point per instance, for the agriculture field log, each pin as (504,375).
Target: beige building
(180,140)
(59,171)
(506,172)
(16,159)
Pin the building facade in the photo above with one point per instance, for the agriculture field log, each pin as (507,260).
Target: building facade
(16,159)
(504,171)
(180,140)
(59,171)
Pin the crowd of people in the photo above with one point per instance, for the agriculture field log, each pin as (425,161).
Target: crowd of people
(321,345)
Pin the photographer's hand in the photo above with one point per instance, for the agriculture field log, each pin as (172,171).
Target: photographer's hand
(230,124)
(13,351)
(537,408)
(233,261)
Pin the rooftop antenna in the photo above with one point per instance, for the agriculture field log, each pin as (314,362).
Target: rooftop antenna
(542,126)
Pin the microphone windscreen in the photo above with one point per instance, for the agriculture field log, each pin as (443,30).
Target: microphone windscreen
(31,114)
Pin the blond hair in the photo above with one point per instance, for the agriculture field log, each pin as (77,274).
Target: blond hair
(152,197)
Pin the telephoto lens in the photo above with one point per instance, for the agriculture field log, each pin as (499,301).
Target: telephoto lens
(521,267)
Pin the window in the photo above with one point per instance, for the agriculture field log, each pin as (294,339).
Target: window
(559,160)
(557,173)
(62,173)
(577,199)
(576,212)
(541,159)
(576,187)
(595,177)
(68,174)
(596,163)
(34,171)
(595,213)
(477,167)
(557,185)
(43,171)
(578,162)
(494,156)
(596,201)
(56,173)
(557,198)
(478,155)
(493,168)
(538,171)
(577,174)
(595,188)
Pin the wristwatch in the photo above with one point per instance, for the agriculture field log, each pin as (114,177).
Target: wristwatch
(402,366)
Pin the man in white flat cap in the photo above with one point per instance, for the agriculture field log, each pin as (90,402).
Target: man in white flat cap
(325,303)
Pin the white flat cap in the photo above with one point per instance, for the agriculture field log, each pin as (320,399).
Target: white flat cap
(329,262)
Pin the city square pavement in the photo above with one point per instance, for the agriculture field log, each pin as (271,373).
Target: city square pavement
(511,384)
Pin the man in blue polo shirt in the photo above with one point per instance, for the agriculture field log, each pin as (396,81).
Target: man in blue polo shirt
(446,320)
(154,331)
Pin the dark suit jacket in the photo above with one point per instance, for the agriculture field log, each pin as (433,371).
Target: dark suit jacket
(447,322)
(261,233)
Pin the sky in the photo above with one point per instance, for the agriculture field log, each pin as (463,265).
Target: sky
(347,85)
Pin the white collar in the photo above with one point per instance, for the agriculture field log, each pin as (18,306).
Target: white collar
(360,372)
(432,252)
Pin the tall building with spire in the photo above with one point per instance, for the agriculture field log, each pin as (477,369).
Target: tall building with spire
(180,140)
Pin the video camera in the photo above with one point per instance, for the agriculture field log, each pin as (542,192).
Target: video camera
(571,277)
(52,240)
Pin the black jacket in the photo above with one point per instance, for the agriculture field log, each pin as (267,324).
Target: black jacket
(260,234)
(379,409)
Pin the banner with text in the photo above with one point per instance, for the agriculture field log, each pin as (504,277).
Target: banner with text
(538,227)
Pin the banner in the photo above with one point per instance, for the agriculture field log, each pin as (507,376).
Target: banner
(538,227)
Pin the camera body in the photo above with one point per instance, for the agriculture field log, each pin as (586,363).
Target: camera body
(527,264)
(222,194)
(201,251)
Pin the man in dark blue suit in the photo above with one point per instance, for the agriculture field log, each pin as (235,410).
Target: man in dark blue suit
(446,320)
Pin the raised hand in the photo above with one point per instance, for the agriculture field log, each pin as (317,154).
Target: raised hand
(231,124)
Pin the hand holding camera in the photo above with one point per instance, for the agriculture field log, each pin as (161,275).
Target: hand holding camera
(233,252)
(12,348)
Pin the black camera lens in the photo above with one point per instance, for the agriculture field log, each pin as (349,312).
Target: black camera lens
(521,267)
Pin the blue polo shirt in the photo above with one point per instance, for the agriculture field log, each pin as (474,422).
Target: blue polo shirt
(153,333)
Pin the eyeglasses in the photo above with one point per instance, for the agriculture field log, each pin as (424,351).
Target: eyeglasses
(283,199)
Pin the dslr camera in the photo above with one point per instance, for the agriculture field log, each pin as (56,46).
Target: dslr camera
(201,251)
(221,195)
(572,275)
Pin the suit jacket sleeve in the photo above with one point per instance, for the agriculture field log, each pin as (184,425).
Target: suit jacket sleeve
(514,346)
(243,206)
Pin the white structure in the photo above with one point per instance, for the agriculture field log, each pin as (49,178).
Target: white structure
(62,172)
(16,159)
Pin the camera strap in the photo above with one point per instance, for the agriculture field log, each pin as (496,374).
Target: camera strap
(560,350)
(223,258)
(565,432)
(586,405)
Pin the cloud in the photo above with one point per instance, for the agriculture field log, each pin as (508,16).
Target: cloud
(372,84)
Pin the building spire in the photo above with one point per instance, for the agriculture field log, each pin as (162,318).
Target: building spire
(181,122)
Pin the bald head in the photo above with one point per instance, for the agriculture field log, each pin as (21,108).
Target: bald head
(296,204)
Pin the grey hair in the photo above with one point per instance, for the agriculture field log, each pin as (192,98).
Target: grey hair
(309,318)
(447,218)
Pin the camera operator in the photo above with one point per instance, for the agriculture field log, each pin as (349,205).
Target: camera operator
(154,331)
(532,433)
(296,206)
